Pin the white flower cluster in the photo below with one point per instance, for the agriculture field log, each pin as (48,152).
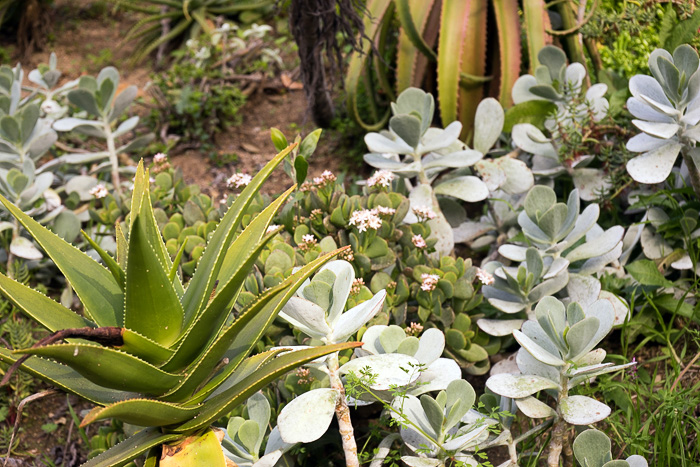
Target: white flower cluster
(484,277)
(366,219)
(326,177)
(429,282)
(384,211)
(272,228)
(238,180)
(99,191)
(423,213)
(418,241)
(357,286)
(160,158)
(381,177)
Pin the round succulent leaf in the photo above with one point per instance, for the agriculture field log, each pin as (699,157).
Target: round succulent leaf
(488,124)
(534,408)
(352,320)
(537,351)
(435,139)
(574,75)
(644,85)
(467,188)
(391,337)
(456,160)
(521,89)
(491,174)
(250,433)
(551,314)
(430,346)
(381,144)
(407,127)
(620,307)
(641,108)
(436,377)
(656,129)
(259,411)
(370,338)
(306,316)
(592,447)
(81,184)
(538,201)
(519,386)
(24,248)
(654,166)
(654,245)
(391,369)
(591,183)
(434,412)
(580,336)
(344,277)
(413,461)
(530,139)
(636,461)
(582,410)
(307,417)
(519,177)
(529,365)
(507,306)
(602,244)
(499,327)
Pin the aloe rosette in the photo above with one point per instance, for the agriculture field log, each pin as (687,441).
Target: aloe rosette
(149,350)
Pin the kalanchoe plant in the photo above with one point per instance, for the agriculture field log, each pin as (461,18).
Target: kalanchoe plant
(668,114)
(317,310)
(98,98)
(160,355)
(571,249)
(47,78)
(557,355)
(592,449)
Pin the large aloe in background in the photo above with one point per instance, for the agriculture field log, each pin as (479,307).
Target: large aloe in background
(150,351)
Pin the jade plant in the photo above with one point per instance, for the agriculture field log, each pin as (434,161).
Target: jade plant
(149,351)
(103,107)
(558,353)
(667,112)
(592,449)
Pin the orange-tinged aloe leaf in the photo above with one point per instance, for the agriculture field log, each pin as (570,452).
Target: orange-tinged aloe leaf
(508,25)
(109,367)
(66,379)
(102,297)
(197,449)
(473,63)
(152,307)
(142,412)
(536,24)
(453,27)
(131,448)
(240,258)
(50,314)
(242,335)
(411,42)
(376,10)
(223,402)
(209,267)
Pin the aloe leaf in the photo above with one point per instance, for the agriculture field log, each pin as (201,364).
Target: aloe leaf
(227,400)
(66,379)
(112,265)
(145,348)
(131,448)
(241,257)
(142,412)
(109,367)
(453,27)
(153,308)
(50,314)
(247,366)
(207,272)
(408,58)
(100,294)
(404,9)
(244,333)
(176,262)
(122,245)
(507,23)
(536,22)
(472,63)
(373,20)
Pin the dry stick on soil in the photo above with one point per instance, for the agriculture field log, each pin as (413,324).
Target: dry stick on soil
(685,370)
(108,335)
(342,413)
(20,407)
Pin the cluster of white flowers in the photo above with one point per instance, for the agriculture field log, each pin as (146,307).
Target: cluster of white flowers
(365,219)
(429,282)
(309,239)
(272,228)
(418,241)
(326,177)
(384,211)
(381,177)
(99,191)
(160,163)
(484,277)
(357,286)
(160,158)
(423,213)
(238,180)
(414,329)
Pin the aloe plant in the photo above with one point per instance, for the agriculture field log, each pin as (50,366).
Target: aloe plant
(668,114)
(557,355)
(592,449)
(148,350)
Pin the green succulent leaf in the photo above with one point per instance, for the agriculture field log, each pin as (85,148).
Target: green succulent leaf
(131,448)
(142,412)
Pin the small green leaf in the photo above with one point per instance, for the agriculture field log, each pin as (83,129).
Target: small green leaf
(645,272)
(301,166)
(308,144)
(534,112)
(278,139)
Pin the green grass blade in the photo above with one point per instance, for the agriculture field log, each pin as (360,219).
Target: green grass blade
(102,297)
(238,262)
(109,367)
(131,448)
(66,379)
(207,272)
(507,22)
(50,314)
(142,412)
(237,394)
(152,307)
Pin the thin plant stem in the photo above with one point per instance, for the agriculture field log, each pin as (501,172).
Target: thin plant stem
(342,413)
